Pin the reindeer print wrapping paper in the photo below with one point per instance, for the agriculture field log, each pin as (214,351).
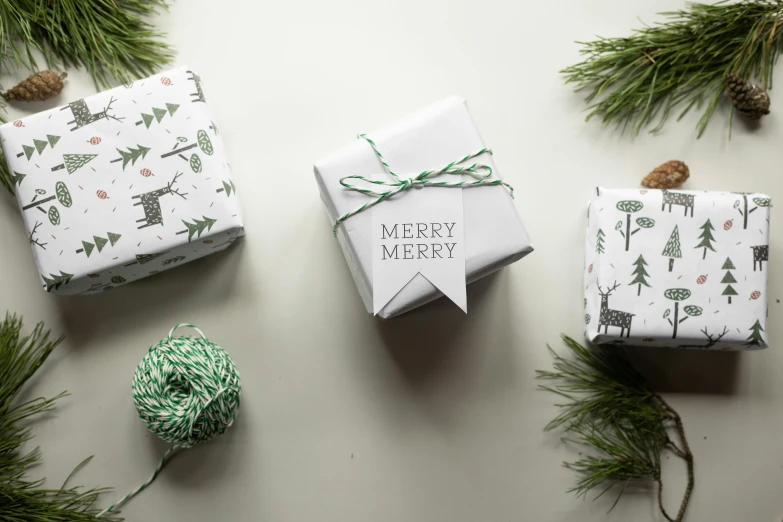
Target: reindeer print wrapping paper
(678,268)
(123,184)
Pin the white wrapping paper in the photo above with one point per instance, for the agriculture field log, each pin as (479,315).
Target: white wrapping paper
(493,232)
(123,184)
(680,268)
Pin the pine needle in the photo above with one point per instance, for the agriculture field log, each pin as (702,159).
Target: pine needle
(635,82)
(610,409)
(20,497)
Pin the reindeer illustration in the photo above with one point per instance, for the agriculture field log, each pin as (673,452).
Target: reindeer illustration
(82,115)
(611,317)
(150,202)
(678,198)
(760,254)
(199,94)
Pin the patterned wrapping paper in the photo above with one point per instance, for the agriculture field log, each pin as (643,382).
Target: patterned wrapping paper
(681,269)
(123,184)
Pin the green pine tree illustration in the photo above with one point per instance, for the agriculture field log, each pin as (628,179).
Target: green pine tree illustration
(38,146)
(131,155)
(641,274)
(728,279)
(17,178)
(197,227)
(755,338)
(228,188)
(672,250)
(706,238)
(157,114)
(99,243)
(54,282)
(599,242)
(73,162)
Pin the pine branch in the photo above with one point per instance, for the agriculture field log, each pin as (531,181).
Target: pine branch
(680,63)
(109,38)
(22,498)
(610,408)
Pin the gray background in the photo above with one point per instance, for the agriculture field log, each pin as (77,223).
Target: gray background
(432,416)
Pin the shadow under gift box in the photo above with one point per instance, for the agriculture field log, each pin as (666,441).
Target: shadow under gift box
(123,184)
(681,269)
(494,234)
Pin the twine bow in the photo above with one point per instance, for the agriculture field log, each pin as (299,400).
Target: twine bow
(480,171)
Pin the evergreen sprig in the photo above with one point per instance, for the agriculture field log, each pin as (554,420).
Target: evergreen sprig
(20,497)
(610,408)
(678,64)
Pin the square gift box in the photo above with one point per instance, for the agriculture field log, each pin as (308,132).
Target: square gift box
(678,268)
(494,235)
(123,184)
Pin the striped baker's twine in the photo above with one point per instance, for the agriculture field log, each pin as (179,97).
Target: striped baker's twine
(481,171)
(186,390)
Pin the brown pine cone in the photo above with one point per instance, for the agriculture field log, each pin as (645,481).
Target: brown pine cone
(40,86)
(749,99)
(670,175)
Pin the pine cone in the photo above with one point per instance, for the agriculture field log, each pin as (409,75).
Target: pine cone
(40,86)
(670,175)
(749,99)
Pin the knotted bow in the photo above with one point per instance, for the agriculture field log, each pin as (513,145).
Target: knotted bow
(480,171)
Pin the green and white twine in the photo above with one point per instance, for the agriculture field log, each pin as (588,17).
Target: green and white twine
(186,390)
(481,171)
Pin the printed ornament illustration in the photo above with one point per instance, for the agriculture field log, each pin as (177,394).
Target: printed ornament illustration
(677,295)
(87,164)
(692,300)
(742,207)
(630,207)
(202,142)
(38,146)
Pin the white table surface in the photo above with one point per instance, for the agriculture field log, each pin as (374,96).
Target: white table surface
(432,416)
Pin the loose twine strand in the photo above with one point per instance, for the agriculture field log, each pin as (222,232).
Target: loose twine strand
(186,390)
(480,171)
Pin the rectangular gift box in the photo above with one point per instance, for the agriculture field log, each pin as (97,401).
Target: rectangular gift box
(123,184)
(678,268)
(494,235)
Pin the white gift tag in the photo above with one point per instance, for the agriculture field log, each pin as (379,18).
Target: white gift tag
(419,231)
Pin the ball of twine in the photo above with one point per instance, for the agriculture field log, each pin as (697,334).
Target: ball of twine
(186,390)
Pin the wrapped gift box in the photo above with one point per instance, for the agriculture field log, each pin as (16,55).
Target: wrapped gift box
(494,235)
(677,268)
(123,184)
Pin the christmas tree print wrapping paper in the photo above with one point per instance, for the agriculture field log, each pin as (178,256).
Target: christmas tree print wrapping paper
(678,268)
(123,184)
(494,235)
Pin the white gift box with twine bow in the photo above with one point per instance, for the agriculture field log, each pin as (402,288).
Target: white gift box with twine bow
(123,184)
(442,134)
(677,268)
